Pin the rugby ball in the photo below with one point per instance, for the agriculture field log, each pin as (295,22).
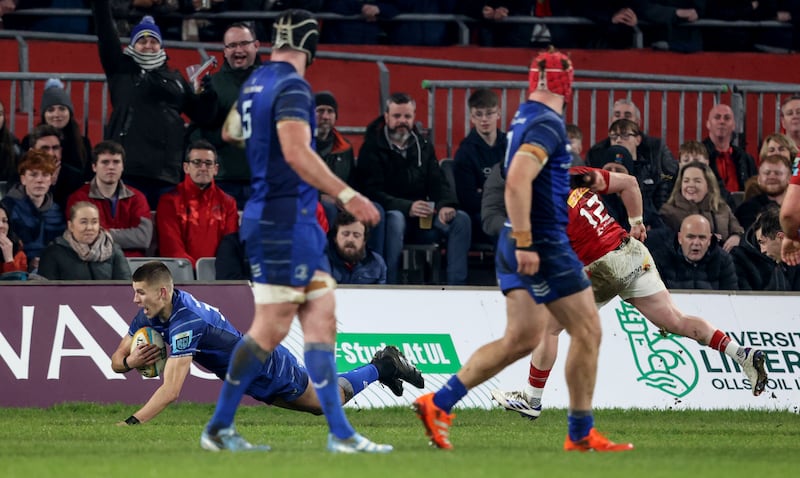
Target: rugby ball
(148,335)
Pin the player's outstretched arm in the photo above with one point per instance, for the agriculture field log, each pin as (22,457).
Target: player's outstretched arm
(295,139)
(175,372)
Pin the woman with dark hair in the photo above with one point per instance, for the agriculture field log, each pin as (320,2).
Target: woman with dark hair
(14,259)
(9,150)
(57,111)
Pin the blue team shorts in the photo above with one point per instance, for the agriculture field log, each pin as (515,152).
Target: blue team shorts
(282,377)
(560,272)
(284,254)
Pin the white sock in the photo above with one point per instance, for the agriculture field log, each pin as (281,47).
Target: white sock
(533,395)
(736,352)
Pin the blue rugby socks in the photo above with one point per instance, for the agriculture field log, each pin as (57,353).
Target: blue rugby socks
(321,367)
(357,380)
(579,422)
(450,394)
(247,360)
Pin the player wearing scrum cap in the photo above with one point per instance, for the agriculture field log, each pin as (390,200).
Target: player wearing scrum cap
(274,118)
(537,270)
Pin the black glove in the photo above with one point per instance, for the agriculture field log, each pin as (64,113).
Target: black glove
(581,180)
(205,84)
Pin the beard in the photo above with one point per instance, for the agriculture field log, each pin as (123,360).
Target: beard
(774,189)
(351,254)
(399,135)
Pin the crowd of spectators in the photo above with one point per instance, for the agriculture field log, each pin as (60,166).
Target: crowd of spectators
(664,24)
(156,186)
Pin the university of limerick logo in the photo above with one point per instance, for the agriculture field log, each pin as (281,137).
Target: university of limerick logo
(662,361)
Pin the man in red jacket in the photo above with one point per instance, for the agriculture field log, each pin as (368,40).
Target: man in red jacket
(192,219)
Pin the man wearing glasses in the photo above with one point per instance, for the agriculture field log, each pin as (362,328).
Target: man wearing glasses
(192,219)
(654,161)
(482,148)
(241,58)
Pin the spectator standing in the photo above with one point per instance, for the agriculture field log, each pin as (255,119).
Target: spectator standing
(85,251)
(57,111)
(693,260)
(696,192)
(773,180)
(352,262)
(483,147)
(398,169)
(240,48)
(124,212)
(9,150)
(14,259)
(730,163)
(32,213)
(192,220)
(148,99)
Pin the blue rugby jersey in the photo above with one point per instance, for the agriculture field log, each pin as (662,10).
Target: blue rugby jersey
(272,93)
(537,124)
(194,328)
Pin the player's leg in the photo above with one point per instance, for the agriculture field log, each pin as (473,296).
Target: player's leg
(660,309)
(578,314)
(270,325)
(528,403)
(318,322)
(524,326)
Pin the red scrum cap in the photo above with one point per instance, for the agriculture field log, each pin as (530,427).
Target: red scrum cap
(552,71)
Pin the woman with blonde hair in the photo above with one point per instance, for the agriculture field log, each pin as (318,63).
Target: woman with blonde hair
(696,191)
(85,251)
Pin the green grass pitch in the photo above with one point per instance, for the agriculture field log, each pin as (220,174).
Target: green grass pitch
(81,440)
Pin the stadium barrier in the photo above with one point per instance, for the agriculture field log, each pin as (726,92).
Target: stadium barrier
(56,341)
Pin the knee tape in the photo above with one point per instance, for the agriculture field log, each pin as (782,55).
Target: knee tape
(320,285)
(277,294)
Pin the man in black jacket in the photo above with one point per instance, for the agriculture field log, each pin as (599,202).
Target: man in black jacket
(695,260)
(655,169)
(241,59)
(398,169)
(730,163)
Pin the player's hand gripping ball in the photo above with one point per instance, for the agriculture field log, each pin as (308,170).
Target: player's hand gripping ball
(145,336)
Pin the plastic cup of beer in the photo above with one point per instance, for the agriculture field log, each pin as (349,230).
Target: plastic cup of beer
(426,222)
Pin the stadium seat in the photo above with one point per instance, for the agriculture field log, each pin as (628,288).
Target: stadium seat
(206,268)
(180,268)
(416,259)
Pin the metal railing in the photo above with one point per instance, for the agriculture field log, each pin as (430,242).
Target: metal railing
(689,103)
(462,22)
